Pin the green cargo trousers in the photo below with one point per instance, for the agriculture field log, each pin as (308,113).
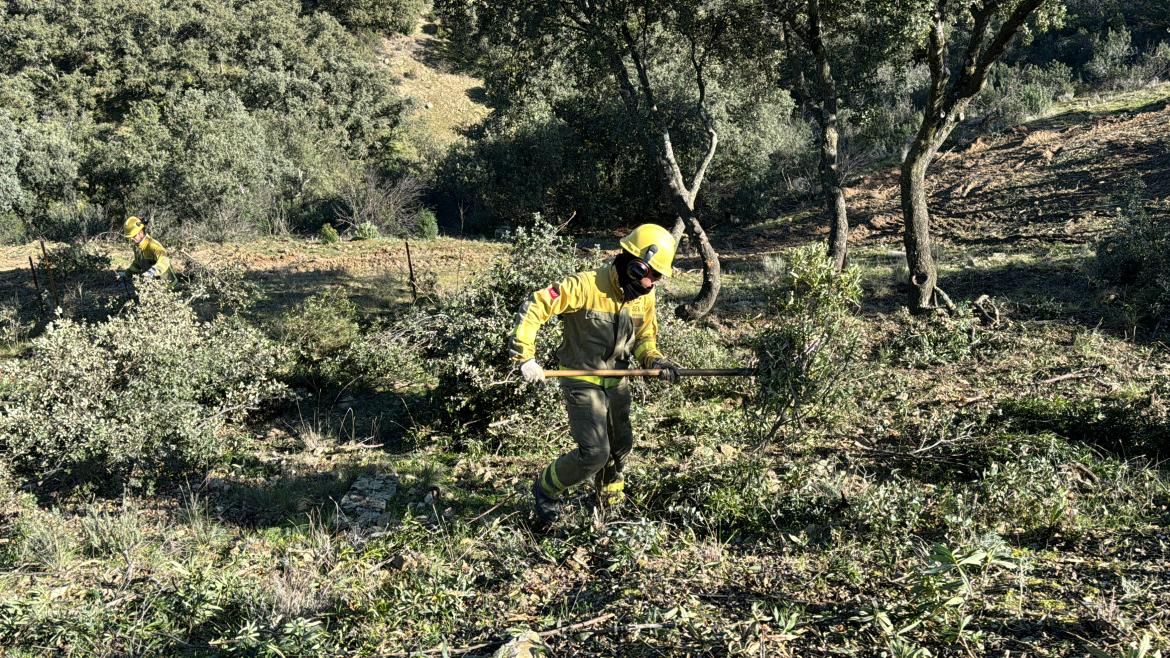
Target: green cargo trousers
(599,421)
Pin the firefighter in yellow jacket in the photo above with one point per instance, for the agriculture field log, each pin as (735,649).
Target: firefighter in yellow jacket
(609,320)
(150,257)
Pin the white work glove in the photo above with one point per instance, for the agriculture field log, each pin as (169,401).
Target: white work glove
(152,273)
(531,371)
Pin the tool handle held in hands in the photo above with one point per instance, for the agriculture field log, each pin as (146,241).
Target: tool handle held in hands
(654,372)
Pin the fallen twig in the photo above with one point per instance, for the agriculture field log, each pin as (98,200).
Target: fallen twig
(489,510)
(483,645)
(349,447)
(1076,374)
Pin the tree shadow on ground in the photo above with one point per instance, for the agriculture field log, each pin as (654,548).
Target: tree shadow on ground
(1059,289)
(436,52)
(92,296)
(1077,117)
(376,294)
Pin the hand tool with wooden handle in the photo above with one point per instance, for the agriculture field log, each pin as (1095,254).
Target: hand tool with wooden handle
(654,372)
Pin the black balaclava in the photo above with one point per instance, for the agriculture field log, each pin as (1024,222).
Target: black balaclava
(631,288)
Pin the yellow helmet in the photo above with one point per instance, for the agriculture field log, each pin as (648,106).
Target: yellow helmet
(653,244)
(132,226)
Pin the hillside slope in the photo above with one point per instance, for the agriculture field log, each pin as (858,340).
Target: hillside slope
(1054,179)
(446,102)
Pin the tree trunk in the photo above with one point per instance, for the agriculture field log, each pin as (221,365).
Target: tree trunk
(712,276)
(945,104)
(656,140)
(831,187)
(831,184)
(916,237)
(677,231)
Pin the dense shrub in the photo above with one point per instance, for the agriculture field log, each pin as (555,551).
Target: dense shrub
(75,282)
(693,345)
(1125,425)
(331,352)
(923,342)
(14,329)
(379,15)
(722,492)
(328,234)
(1014,95)
(805,355)
(119,105)
(365,231)
(1117,65)
(1136,259)
(427,227)
(318,333)
(222,288)
(144,396)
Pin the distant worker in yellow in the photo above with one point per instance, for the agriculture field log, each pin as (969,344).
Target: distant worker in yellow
(150,257)
(609,320)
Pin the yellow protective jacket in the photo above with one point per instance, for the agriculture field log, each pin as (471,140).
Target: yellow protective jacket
(602,331)
(150,253)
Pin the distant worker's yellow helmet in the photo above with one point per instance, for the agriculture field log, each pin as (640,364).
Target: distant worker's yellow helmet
(653,244)
(132,227)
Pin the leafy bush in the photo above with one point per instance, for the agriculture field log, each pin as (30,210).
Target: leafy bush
(13,328)
(1014,95)
(366,231)
(330,352)
(693,345)
(318,333)
(72,261)
(76,278)
(1117,65)
(215,289)
(427,226)
(328,234)
(725,493)
(1136,258)
(922,342)
(1125,425)
(383,359)
(11,229)
(378,15)
(144,396)
(804,356)
(1029,492)
(889,507)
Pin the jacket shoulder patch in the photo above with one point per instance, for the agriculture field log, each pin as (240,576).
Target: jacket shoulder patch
(553,292)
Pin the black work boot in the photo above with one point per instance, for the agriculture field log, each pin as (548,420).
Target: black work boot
(547,509)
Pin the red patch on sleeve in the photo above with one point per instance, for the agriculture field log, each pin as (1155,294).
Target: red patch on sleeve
(553,292)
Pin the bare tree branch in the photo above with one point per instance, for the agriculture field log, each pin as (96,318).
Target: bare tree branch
(1005,34)
(698,63)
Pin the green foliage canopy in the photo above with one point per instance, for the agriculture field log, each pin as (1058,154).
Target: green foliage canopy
(187,109)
